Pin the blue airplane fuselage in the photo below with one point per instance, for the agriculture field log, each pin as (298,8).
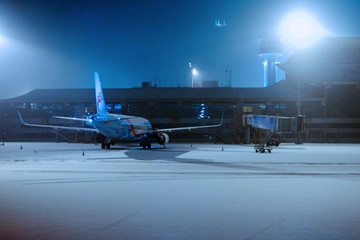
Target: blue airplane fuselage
(119,127)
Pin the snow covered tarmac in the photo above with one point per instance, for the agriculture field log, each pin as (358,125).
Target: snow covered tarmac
(51,191)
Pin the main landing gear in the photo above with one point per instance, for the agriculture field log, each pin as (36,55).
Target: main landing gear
(105,145)
(145,145)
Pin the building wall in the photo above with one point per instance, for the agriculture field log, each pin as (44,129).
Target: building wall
(334,118)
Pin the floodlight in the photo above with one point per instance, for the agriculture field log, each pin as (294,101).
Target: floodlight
(300,29)
(2,40)
(194,72)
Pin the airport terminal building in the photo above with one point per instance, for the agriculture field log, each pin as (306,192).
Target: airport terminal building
(322,83)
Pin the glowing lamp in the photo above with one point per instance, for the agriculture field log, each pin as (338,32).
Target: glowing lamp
(300,29)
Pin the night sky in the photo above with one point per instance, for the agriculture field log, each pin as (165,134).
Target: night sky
(59,44)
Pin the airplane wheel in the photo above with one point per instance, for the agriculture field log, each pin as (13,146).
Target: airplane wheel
(143,146)
(269,150)
(108,146)
(149,146)
(103,145)
(262,150)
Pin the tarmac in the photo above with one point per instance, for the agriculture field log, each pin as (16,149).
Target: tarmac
(183,191)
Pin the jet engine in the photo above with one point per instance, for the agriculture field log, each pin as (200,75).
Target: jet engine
(162,138)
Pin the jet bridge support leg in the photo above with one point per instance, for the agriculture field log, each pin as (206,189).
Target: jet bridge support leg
(262,146)
(247,136)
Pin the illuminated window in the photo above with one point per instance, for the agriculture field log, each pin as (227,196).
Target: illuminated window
(280,105)
(33,106)
(21,106)
(203,111)
(247,109)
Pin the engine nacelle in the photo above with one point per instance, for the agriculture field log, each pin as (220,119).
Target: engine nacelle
(162,138)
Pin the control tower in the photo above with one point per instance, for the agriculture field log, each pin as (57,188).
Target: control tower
(270,51)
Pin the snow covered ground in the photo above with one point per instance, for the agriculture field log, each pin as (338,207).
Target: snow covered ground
(51,191)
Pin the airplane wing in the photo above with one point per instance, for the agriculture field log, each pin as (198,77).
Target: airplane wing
(73,118)
(90,120)
(189,128)
(57,127)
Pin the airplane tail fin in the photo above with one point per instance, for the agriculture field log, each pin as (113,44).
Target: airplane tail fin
(100,102)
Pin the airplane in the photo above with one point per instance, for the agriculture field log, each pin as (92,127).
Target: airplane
(118,127)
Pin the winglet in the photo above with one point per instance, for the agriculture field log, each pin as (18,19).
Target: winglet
(222,118)
(21,119)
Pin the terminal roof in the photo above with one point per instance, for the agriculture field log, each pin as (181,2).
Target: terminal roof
(283,90)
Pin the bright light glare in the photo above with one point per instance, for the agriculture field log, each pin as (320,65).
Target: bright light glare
(300,29)
(194,72)
(2,40)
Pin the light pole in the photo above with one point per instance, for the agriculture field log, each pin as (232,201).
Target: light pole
(300,30)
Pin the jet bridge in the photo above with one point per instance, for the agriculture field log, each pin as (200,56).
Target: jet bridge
(272,125)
